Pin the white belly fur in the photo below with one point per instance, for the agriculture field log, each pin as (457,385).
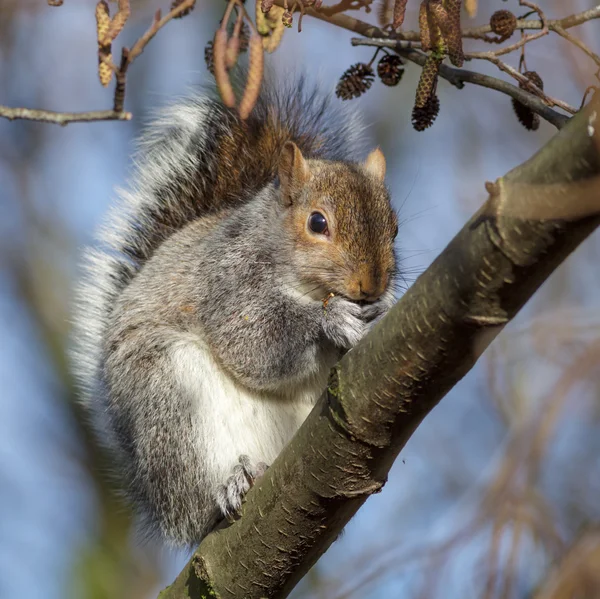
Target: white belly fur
(232,420)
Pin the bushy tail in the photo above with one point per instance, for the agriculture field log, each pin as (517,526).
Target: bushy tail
(197,157)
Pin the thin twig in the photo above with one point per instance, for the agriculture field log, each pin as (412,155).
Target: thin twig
(157,24)
(458,77)
(130,55)
(119,96)
(343,6)
(576,42)
(62,118)
(548,100)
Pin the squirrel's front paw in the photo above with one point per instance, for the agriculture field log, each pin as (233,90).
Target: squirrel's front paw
(230,495)
(343,322)
(379,308)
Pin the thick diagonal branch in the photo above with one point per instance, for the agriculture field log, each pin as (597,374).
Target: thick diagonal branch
(380,392)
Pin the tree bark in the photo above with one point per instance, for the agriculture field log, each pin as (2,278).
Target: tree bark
(379,393)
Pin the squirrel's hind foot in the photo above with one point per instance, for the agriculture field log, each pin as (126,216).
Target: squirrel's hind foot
(229,496)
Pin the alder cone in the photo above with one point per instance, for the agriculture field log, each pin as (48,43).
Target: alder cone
(534,78)
(355,81)
(390,69)
(503,23)
(529,119)
(423,117)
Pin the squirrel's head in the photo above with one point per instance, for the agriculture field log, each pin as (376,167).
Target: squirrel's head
(342,223)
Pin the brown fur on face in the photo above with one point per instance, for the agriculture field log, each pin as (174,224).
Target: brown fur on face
(356,258)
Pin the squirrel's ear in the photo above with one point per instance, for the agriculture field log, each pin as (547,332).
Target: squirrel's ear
(375,164)
(293,171)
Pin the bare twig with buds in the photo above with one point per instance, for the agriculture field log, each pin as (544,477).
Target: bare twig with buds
(107,29)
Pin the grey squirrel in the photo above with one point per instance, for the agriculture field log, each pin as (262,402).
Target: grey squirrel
(246,258)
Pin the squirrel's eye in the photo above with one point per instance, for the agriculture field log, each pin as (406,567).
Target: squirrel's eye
(317,223)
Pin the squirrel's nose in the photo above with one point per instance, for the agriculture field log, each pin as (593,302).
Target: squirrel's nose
(369,289)
(367,285)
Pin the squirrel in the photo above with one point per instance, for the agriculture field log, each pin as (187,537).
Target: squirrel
(244,260)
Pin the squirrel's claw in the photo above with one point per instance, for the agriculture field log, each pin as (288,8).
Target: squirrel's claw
(229,497)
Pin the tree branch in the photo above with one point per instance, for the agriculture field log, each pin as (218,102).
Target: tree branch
(525,24)
(344,5)
(522,24)
(548,100)
(381,390)
(458,77)
(375,36)
(368,30)
(62,118)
